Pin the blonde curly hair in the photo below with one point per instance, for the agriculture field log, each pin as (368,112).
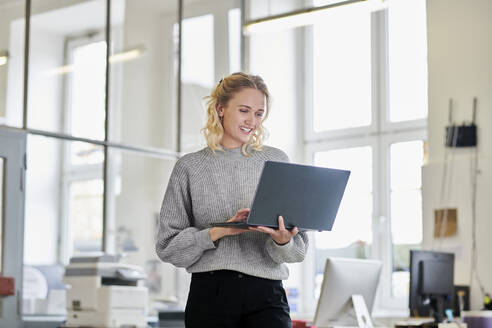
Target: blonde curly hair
(223,92)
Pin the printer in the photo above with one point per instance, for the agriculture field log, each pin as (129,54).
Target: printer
(102,292)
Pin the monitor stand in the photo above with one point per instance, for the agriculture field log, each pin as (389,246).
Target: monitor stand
(346,319)
(361,312)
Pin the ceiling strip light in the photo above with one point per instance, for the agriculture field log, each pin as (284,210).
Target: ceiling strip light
(307,16)
(4,57)
(116,58)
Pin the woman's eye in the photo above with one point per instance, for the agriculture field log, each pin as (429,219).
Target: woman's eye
(259,114)
(243,110)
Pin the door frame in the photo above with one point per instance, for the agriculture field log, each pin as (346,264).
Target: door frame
(13,151)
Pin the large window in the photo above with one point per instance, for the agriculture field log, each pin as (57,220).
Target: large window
(347,77)
(369,105)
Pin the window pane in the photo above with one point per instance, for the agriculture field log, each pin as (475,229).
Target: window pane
(407,60)
(406,217)
(406,160)
(87,88)
(234,40)
(354,219)
(198,77)
(406,165)
(85,215)
(342,71)
(198,51)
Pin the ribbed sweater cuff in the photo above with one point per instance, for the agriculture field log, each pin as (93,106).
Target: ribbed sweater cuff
(203,239)
(286,249)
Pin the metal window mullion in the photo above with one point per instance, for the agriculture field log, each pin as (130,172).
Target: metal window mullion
(106,189)
(150,151)
(242,39)
(27,33)
(178,76)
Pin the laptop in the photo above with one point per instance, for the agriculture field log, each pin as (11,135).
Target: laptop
(307,197)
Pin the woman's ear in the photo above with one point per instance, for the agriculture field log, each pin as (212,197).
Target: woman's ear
(220,110)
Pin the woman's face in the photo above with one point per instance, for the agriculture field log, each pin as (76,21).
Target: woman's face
(241,117)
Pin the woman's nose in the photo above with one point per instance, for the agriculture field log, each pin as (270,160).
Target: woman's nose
(251,118)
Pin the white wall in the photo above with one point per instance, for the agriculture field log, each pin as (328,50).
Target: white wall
(460,67)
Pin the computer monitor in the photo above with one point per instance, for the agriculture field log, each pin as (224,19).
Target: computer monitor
(344,278)
(431,283)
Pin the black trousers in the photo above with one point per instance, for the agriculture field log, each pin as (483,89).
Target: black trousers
(229,299)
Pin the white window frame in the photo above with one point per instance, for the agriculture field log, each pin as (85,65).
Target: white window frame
(380,134)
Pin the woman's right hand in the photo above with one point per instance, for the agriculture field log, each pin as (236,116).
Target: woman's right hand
(218,232)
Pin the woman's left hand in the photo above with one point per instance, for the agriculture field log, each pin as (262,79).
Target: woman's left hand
(281,235)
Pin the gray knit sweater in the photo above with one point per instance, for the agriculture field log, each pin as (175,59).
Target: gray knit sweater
(207,187)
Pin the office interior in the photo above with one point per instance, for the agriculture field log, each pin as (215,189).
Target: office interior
(364,85)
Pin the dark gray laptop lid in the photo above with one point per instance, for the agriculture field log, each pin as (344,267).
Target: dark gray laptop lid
(307,197)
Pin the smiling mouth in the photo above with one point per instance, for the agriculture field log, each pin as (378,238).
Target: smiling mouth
(246,130)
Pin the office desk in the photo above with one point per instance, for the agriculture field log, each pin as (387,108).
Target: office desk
(46,321)
(305,321)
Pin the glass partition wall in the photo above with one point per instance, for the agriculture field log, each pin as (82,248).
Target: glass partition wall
(112,95)
(103,99)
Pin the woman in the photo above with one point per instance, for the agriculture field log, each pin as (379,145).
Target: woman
(236,273)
